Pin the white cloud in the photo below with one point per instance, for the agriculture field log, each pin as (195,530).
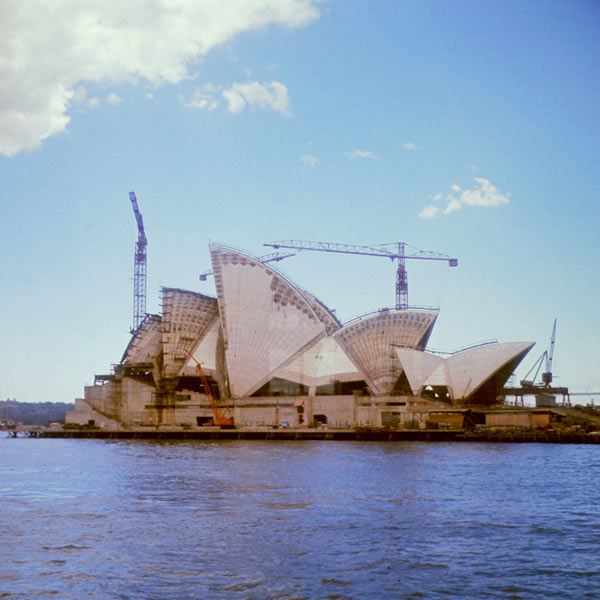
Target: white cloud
(410,146)
(48,49)
(361,154)
(204,97)
(273,95)
(483,194)
(428,212)
(94,102)
(309,160)
(114,99)
(265,95)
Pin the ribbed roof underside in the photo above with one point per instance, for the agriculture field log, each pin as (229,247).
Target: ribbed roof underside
(265,319)
(145,342)
(469,369)
(369,343)
(186,317)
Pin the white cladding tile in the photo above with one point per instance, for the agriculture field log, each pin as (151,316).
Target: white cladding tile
(325,359)
(265,319)
(369,343)
(469,369)
(439,376)
(418,366)
(187,316)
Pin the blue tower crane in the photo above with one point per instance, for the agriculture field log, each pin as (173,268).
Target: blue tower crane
(139,268)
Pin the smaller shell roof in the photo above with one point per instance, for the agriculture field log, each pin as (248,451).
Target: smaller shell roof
(469,369)
(369,341)
(145,342)
(464,372)
(187,316)
(418,366)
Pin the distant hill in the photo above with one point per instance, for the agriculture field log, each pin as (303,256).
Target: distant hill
(34,413)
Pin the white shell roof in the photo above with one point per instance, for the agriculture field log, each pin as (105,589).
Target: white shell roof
(369,343)
(186,318)
(322,363)
(463,373)
(145,342)
(265,319)
(418,366)
(469,369)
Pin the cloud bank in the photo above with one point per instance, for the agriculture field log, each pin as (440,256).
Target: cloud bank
(484,194)
(48,49)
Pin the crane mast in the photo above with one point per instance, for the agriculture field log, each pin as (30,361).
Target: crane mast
(547,374)
(139,268)
(397,251)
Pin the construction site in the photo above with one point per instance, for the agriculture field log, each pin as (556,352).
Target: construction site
(265,354)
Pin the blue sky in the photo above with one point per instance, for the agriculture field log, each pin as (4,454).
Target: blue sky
(468,128)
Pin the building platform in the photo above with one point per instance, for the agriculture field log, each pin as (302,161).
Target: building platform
(323,434)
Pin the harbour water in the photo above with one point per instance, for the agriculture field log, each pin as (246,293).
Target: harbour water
(293,520)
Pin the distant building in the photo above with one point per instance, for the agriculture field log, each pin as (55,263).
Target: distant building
(274,353)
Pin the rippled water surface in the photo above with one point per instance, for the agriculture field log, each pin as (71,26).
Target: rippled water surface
(279,520)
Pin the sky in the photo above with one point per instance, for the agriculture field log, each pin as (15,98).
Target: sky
(466,128)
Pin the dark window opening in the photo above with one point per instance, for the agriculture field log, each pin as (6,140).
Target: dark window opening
(281,387)
(402,387)
(436,392)
(343,388)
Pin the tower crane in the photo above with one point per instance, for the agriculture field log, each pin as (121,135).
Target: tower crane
(139,268)
(399,251)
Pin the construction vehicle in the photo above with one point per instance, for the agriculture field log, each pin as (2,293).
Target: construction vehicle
(222,415)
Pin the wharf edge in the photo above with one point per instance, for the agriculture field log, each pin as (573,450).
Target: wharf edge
(375,435)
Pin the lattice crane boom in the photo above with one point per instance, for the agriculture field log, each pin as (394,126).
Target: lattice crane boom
(139,268)
(399,251)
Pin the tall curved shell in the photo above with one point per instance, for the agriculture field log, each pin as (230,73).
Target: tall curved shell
(265,319)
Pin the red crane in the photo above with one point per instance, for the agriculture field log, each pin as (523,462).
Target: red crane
(221,414)
(397,251)
(139,268)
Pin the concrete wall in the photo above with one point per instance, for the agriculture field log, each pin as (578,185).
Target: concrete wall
(83,414)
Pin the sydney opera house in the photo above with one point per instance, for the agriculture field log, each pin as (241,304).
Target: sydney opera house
(271,354)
